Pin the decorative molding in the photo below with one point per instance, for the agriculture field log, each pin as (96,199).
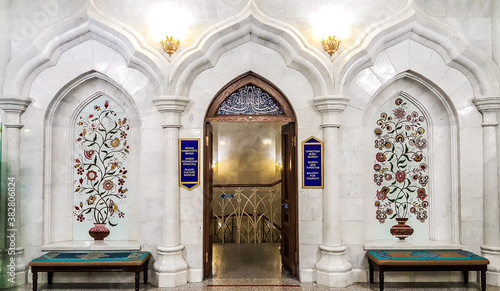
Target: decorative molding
(13,125)
(48,46)
(251,25)
(490,124)
(412,23)
(169,249)
(333,249)
(422,80)
(490,249)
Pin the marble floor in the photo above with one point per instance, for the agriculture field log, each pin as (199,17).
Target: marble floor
(255,267)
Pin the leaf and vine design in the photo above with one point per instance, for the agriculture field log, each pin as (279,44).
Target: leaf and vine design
(400,163)
(101,174)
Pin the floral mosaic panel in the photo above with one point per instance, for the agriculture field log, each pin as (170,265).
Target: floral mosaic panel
(250,100)
(401,168)
(100,166)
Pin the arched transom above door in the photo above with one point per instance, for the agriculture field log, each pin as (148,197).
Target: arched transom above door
(250,97)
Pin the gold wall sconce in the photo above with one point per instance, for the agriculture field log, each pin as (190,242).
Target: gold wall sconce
(169,23)
(327,19)
(169,45)
(331,45)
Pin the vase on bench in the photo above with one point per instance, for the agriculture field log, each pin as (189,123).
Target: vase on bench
(99,231)
(401,230)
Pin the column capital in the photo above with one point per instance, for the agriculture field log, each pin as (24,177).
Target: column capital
(331,106)
(171,106)
(487,104)
(328,103)
(489,107)
(13,107)
(170,103)
(14,103)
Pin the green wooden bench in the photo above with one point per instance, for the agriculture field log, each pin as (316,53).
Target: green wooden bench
(124,261)
(426,260)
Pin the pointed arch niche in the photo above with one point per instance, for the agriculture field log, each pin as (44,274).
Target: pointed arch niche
(60,152)
(442,189)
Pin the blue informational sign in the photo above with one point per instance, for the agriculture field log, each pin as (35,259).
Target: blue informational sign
(189,162)
(312,163)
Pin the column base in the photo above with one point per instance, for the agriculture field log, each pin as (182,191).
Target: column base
(493,273)
(13,269)
(171,279)
(333,268)
(171,267)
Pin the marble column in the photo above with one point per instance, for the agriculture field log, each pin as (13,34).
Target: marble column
(171,267)
(333,268)
(12,109)
(489,107)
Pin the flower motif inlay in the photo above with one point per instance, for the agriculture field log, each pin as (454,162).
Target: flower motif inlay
(400,162)
(100,162)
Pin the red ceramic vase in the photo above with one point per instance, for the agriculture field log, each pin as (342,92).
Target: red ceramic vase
(401,230)
(99,231)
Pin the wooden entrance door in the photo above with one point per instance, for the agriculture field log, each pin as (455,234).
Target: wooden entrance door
(208,178)
(289,173)
(289,199)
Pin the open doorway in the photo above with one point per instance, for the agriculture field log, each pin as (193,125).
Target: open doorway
(250,179)
(246,205)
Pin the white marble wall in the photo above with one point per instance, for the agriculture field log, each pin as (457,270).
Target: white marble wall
(51,51)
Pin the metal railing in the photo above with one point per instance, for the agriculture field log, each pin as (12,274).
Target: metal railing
(248,215)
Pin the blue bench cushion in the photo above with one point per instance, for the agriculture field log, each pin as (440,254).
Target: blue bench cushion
(425,257)
(91,258)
